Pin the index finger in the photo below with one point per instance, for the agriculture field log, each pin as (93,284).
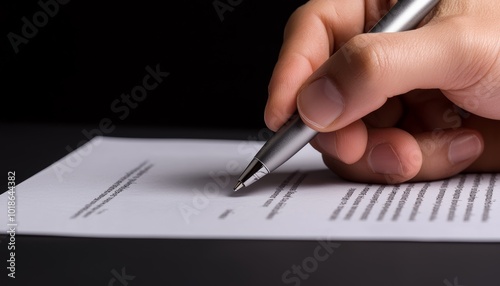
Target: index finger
(313,32)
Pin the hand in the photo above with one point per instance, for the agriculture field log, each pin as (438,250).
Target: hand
(394,107)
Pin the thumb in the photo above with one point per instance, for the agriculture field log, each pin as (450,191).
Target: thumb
(370,68)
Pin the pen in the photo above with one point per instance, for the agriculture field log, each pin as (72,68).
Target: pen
(294,134)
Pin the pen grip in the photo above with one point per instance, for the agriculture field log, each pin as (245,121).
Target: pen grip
(291,137)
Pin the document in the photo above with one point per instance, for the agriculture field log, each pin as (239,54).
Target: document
(183,188)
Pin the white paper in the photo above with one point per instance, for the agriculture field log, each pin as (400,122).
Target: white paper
(178,188)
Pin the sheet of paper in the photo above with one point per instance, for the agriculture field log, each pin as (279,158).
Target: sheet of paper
(177,188)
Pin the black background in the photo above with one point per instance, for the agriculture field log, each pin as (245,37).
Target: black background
(91,52)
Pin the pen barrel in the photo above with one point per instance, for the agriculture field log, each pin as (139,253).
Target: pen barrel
(291,137)
(404,15)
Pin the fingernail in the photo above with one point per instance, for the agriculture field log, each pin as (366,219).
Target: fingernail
(320,103)
(463,148)
(384,160)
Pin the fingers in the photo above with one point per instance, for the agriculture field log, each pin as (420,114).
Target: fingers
(311,35)
(394,156)
(428,110)
(386,116)
(489,161)
(391,156)
(447,153)
(347,144)
(375,10)
(370,68)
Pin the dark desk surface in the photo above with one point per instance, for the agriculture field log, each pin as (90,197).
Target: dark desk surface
(27,149)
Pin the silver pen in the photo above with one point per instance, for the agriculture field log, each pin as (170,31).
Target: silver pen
(294,134)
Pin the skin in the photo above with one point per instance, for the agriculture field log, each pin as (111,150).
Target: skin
(394,107)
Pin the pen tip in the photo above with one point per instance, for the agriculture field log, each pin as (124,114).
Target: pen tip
(238,186)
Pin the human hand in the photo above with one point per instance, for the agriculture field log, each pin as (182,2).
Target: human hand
(386,104)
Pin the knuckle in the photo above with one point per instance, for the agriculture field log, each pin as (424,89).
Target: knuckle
(370,59)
